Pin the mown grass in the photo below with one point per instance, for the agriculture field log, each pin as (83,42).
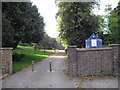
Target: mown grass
(107,75)
(29,57)
(106,46)
(102,75)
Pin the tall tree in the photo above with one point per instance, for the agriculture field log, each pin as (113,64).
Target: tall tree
(76,22)
(45,43)
(114,25)
(24,24)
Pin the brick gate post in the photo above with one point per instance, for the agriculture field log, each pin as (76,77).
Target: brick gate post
(6,55)
(72,60)
(116,53)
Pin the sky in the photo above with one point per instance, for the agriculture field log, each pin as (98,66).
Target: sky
(48,10)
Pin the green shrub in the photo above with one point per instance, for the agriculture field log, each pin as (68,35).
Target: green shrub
(18,57)
(21,62)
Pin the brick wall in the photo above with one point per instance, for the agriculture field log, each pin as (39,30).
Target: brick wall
(93,61)
(6,58)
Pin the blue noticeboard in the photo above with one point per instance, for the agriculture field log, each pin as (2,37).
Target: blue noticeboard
(93,42)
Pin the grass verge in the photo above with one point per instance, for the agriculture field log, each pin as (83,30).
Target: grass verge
(29,57)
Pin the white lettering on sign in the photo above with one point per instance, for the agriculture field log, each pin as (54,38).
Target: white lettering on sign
(93,42)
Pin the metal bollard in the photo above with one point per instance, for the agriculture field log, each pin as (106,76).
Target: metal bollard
(33,65)
(50,65)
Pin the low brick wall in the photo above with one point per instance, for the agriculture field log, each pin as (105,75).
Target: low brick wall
(93,61)
(6,58)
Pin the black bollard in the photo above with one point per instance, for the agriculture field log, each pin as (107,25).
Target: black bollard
(33,66)
(50,65)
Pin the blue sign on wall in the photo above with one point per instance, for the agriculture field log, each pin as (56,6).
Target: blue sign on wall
(93,42)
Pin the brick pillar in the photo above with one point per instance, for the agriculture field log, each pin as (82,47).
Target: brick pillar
(6,54)
(0,64)
(72,60)
(116,53)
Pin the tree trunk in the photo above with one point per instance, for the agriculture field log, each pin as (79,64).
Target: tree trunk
(15,45)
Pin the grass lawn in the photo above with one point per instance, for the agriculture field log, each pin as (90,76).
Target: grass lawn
(30,56)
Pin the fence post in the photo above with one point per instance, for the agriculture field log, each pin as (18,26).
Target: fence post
(72,60)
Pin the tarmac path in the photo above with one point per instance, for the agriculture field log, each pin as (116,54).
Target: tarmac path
(42,77)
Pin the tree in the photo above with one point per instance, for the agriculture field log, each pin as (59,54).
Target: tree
(76,22)
(114,25)
(110,22)
(53,43)
(103,31)
(7,33)
(45,43)
(26,24)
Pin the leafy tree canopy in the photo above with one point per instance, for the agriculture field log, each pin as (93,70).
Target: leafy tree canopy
(76,22)
(21,22)
(114,25)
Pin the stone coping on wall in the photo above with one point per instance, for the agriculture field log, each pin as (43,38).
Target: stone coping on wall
(6,48)
(93,49)
(73,46)
(114,44)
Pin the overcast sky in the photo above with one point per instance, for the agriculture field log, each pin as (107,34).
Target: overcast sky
(48,10)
